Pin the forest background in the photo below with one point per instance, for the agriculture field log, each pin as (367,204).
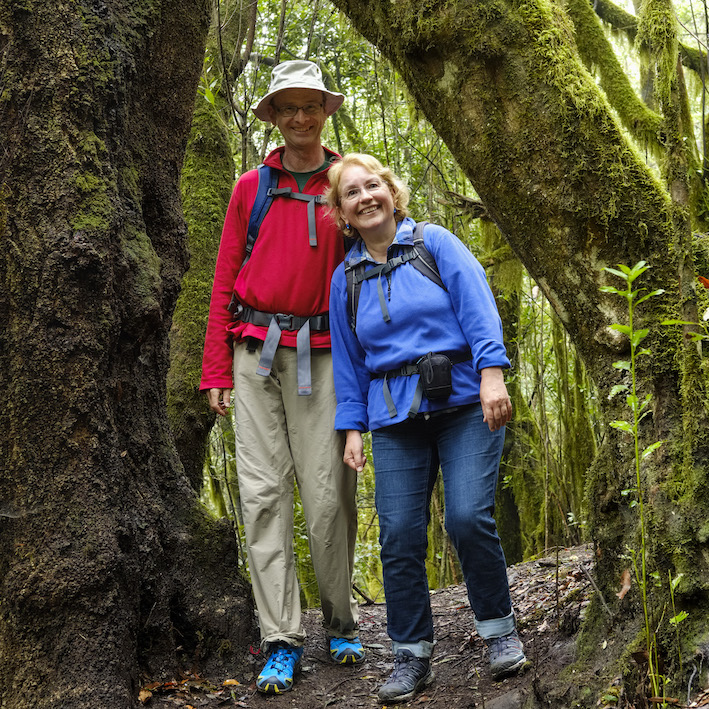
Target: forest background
(584,135)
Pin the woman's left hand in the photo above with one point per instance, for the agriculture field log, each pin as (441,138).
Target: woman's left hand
(354,451)
(495,401)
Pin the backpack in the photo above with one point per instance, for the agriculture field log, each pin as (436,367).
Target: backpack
(418,256)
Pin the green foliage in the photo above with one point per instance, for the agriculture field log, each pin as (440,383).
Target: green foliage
(648,581)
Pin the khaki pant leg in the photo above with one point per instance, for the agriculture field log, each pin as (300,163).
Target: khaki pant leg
(265,474)
(327,487)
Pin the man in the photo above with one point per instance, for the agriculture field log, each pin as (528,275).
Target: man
(284,399)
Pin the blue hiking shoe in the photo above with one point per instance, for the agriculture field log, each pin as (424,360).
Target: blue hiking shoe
(506,655)
(278,673)
(346,651)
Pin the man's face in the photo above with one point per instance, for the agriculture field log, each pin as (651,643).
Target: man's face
(301,130)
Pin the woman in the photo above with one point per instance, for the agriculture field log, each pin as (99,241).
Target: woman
(381,328)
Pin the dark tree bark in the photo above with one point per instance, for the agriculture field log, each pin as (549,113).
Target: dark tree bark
(503,84)
(107,562)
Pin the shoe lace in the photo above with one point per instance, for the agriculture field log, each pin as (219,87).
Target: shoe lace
(403,666)
(499,646)
(281,658)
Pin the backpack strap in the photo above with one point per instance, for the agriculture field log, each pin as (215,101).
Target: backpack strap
(267,182)
(418,256)
(311,199)
(353,276)
(268,189)
(425,263)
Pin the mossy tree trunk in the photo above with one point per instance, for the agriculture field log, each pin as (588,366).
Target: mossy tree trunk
(109,569)
(207,182)
(502,83)
(504,273)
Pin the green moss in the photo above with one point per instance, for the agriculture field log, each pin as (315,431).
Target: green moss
(597,53)
(95,209)
(144,266)
(207,181)
(4,195)
(657,30)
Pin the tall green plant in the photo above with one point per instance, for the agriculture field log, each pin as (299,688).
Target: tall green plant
(639,409)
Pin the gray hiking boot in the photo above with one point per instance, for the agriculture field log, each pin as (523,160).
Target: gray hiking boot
(410,675)
(506,655)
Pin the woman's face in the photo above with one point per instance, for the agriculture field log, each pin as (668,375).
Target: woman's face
(366,202)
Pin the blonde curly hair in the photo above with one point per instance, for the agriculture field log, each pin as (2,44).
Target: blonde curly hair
(400,192)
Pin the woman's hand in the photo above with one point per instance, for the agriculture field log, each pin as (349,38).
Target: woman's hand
(219,400)
(497,407)
(354,451)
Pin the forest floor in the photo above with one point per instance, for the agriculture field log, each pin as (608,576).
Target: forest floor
(549,596)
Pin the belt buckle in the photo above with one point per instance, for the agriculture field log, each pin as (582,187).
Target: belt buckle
(285,321)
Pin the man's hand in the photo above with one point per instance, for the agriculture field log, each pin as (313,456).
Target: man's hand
(219,400)
(354,451)
(497,407)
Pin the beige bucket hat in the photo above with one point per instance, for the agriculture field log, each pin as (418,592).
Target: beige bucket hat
(297,74)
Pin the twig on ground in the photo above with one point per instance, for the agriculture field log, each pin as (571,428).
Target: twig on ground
(597,590)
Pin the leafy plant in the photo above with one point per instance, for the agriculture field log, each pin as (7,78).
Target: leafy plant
(639,409)
(676,618)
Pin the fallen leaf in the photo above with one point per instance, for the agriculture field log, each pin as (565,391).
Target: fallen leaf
(704,281)
(626,583)
(144,696)
(231,681)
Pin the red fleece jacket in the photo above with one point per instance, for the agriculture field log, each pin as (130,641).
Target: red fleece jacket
(284,274)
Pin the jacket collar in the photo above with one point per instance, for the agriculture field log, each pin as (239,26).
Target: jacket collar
(275,157)
(404,237)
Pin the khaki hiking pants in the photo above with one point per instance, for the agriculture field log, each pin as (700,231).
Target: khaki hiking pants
(278,435)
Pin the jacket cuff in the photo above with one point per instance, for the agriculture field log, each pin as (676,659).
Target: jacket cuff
(351,415)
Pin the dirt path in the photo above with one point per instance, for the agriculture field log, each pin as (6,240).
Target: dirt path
(549,597)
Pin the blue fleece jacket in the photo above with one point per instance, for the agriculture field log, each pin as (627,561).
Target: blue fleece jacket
(424,318)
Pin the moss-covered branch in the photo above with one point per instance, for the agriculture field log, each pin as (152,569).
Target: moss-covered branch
(616,17)
(597,53)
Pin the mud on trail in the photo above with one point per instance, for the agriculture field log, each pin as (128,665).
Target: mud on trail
(549,597)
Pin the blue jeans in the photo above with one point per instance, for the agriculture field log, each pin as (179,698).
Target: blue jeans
(407,457)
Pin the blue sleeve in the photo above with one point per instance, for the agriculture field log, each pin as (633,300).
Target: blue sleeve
(472,300)
(348,361)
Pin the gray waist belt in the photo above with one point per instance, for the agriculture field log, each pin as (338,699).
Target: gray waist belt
(408,370)
(276,323)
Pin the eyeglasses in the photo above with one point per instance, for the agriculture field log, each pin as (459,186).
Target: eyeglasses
(310,109)
(354,193)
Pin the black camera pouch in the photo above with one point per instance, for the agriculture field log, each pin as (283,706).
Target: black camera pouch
(435,372)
